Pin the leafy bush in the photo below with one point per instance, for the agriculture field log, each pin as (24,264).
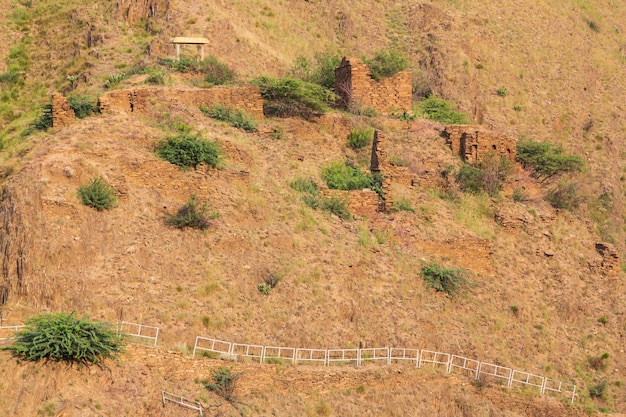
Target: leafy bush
(598,390)
(44,120)
(451,281)
(305,185)
(598,363)
(402,204)
(97,194)
(215,72)
(114,79)
(546,160)
(82,106)
(360,138)
(386,63)
(442,111)
(335,205)
(270,281)
(345,176)
(486,176)
(224,382)
(502,91)
(311,197)
(289,97)
(234,117)
(188,151)
(64,337)
(321,71)
(155,77)
(191,215)
(564,196)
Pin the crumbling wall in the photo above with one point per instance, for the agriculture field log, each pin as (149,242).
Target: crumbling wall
(364,203)
(610,264)
(390,173)
(144,100)
(62,114)
(472,143)
(132,11)
(357,88)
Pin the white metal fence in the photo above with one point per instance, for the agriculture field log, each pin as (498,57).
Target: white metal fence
(181,401)
(7,333)
(139,332)
(470,367)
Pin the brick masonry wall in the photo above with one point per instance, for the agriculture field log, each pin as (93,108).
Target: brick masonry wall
(390,173)
(471,143)
(143,100)
(357,88)
(363,203)
(62,114)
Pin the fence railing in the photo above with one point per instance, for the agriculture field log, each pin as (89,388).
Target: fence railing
(145,334)
(327,357)
(7,333)
(181,401)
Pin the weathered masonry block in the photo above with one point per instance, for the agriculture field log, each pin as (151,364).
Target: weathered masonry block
(389,172)
(62,114)
(364,203)
(358,89)
(472,143)
(144,100)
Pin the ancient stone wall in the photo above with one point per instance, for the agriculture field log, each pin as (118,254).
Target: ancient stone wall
(610,264)
(144,100)
(390,173)
(132,11)
(358,89)
(472,143)
(364,203)
(62,114)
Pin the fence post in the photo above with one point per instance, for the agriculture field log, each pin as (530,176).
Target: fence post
(262,354)
(573,394)
(195,345)
(543,385)
(480,368)
(389,356)
(326,359)
(511,377)
(163,397)
(358,357)
(156,337)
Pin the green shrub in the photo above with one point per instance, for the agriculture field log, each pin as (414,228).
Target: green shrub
(44,120)
(441,111)
(546,160)
(114,79)
(470,179)
(188,151)
(155,77)
(305,185)
(64,337)
(450,281)
(270,281)
(345,176)
(564,196)
(82,106)
(224,382)
(233,117)
(598,390)
(191,215)
(336,205)
(502,91)
(386,63)
(97,194)
(215,72)
(486,176)
(360,138)
(321,71)
(290,97)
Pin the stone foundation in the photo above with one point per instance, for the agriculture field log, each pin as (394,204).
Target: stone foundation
(472,143)
(62,114)
(364,203)
(390,173)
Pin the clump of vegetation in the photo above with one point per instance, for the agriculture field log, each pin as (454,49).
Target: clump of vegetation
(486,176)
(334,204)
(270,281)
(64,337)
(114,79)
(450,281)
(346,176)
(214,71)
(223,382)
(233,117)
(291,97)
(386,64)
(192,215)
(97,194)
(320,71)
(546,160)
(189,151)
(598,363)
(441,111)
(502,91)
(82,106)
(598,390)
(44,120)
(402,204)
(155,77)
(565,196)
(360,138)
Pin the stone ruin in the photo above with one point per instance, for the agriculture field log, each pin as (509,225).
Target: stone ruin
(62,114)
(610,263)
(472,143)
(357,88)
(143,100)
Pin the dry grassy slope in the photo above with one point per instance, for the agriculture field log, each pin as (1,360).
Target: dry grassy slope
(132,387)
(337,291)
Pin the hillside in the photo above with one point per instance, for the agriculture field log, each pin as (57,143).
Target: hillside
(540,300)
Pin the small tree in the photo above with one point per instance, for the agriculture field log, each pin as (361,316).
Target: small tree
(191,215)
(97,194)
(188,151)
(451,281)
(224,382)
(546,160)
(386,64)
(64,337)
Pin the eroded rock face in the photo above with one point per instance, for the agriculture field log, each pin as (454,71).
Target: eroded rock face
(132,11)
(610,263)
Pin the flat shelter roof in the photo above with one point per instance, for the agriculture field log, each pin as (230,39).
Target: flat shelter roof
(193,41)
